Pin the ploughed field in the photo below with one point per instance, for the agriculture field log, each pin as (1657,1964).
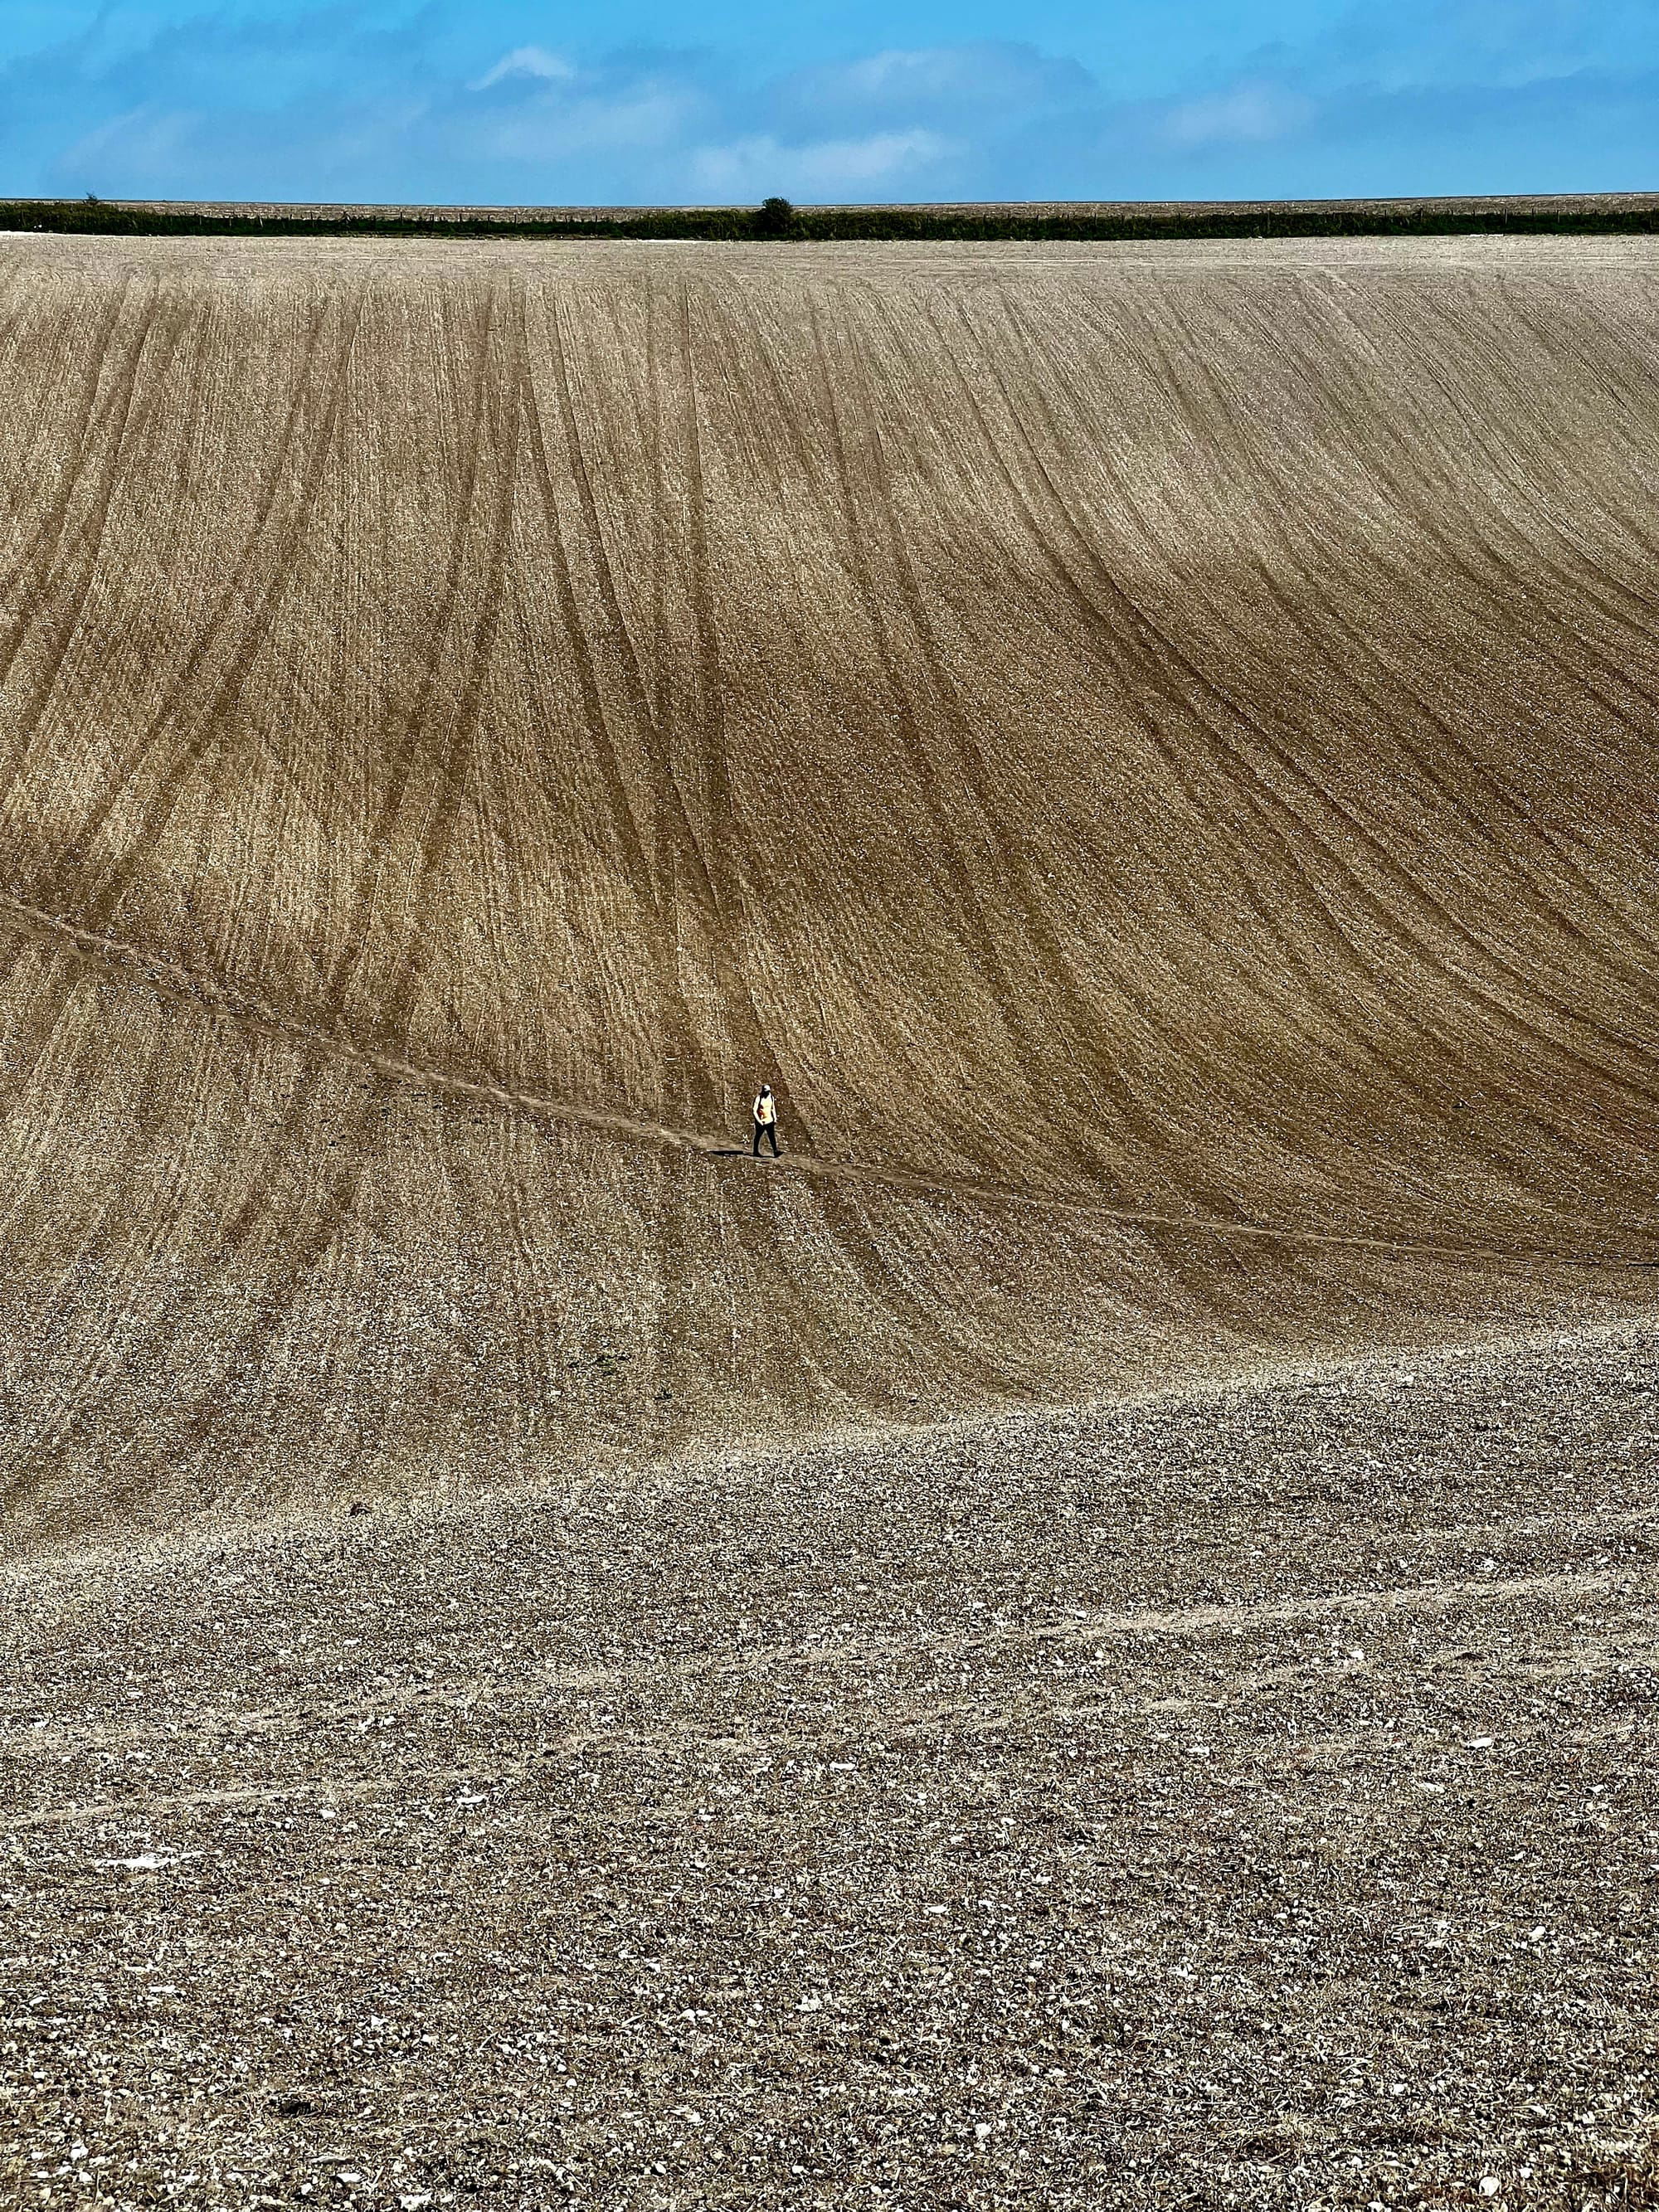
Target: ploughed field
(1085,1637)
(1140,746)
(1238,1800)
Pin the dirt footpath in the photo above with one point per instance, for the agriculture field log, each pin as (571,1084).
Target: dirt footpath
(1240,1800)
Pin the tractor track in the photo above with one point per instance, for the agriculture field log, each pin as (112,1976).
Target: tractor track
(169,977)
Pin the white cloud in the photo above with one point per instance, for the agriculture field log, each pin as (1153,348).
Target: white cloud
(653,118)
(527,62)
(980,73)
(747,167)
(1245,114)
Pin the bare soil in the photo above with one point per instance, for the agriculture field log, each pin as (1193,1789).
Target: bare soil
(1237,1798)
(1084,1639)
(1142,747)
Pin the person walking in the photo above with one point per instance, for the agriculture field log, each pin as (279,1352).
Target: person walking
(766,1120)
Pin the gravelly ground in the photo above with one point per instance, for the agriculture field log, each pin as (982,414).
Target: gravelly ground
(1245,1799)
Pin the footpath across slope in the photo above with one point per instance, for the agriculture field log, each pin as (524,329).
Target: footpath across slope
(1127,739)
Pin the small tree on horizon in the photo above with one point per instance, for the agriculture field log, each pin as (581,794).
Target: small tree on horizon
(775,219)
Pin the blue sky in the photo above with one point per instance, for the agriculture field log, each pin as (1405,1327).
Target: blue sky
(517,100)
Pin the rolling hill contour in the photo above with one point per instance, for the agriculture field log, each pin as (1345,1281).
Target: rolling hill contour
(1142,746)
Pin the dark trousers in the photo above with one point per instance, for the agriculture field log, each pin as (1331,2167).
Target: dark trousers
(766,1129)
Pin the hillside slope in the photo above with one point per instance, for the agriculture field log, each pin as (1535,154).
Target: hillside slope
(1142,746)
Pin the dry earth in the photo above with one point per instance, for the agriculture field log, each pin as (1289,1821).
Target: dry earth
(1112,733)
(1246,1799)
(1151,749)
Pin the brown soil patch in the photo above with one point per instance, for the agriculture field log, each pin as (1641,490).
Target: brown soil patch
(1150,749)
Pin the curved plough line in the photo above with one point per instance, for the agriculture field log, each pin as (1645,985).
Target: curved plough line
(167,974)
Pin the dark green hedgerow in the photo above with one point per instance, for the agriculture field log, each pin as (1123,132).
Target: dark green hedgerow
(777,220)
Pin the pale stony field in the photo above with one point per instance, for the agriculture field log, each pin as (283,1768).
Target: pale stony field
(1239,1799)
(1084,1639)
